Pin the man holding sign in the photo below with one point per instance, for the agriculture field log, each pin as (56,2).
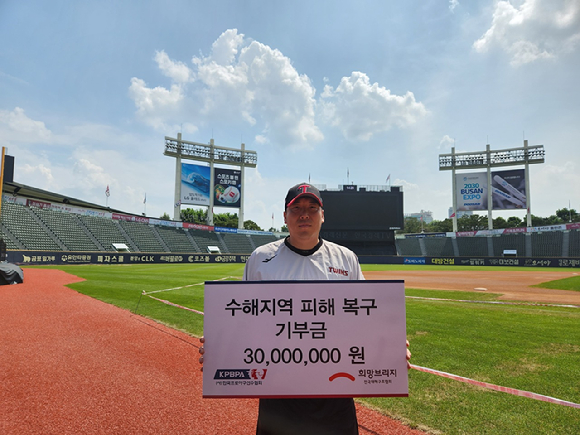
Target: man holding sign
(303,255)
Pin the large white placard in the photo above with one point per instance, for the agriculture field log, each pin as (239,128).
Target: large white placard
(305,339)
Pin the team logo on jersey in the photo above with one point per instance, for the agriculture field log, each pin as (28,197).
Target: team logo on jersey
(269,259)
(338,271)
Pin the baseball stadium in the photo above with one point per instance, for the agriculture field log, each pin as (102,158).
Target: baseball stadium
(100,333)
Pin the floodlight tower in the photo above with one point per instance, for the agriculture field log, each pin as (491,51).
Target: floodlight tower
(211,154)
(525,155)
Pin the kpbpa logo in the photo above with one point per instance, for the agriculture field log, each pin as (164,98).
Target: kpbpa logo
(258,374)
(229,374)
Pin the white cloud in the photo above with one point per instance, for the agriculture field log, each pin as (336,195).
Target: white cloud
(16,127)
(89,174)
(361,109)
(225,49)
(261,139)
(446,143)
(158,107)
(260,86)
(177,71)
(538,29)
(247,82)
(453,4)
(241,81)
(39,173)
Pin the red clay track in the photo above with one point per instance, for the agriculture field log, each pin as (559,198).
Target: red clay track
(70,364)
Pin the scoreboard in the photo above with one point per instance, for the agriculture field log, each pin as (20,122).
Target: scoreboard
(359,210)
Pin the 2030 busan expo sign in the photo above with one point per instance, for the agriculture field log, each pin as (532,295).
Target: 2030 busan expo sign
(305,339)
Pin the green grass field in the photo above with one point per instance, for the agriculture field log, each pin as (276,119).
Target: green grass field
(531,348)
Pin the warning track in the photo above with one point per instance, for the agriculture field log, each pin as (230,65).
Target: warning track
(70,364)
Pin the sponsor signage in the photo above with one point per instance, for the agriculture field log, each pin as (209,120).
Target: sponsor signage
(225,230)
(197,226)
(304,339)
(414,260)
(547,228)
(38,204)
(227,187)
(508,190)
(195,184)
(58,257)
(471,191)
(514,230)
(130,218)
(254,232)
(28,258)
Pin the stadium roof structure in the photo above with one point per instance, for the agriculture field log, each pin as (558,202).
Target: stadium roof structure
(17,189)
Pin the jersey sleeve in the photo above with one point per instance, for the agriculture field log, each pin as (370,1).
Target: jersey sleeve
(249,268)
(357,272)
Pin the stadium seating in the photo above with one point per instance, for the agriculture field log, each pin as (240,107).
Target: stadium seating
(21,223)
(67,228)
(107,232)
(574,248)
(547,244)
(10,244)
(177,239)
(439,246)
(472,246)
(237,243)
(144,237)
(409,246)
(259,240)
(203,239)
(32,228)
(509,241)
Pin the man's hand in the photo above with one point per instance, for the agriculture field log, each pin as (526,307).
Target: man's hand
(408,356)
(202,351)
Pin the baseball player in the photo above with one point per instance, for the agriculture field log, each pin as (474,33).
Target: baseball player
(303,255)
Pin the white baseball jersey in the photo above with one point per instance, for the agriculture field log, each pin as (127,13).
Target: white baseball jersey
(327,261)
(277,261)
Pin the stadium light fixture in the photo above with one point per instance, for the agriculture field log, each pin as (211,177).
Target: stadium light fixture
(212,154)
(488,159)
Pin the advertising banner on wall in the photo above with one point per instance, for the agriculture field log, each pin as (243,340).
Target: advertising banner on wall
(195,181)
(228,187)
(508,190)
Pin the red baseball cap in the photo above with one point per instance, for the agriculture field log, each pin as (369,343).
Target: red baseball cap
(300,190)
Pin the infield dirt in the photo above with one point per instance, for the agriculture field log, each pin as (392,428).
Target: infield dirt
(512,285)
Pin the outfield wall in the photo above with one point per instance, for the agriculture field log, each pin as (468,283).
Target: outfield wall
(47,258)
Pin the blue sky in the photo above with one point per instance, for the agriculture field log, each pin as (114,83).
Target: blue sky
(319,89)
